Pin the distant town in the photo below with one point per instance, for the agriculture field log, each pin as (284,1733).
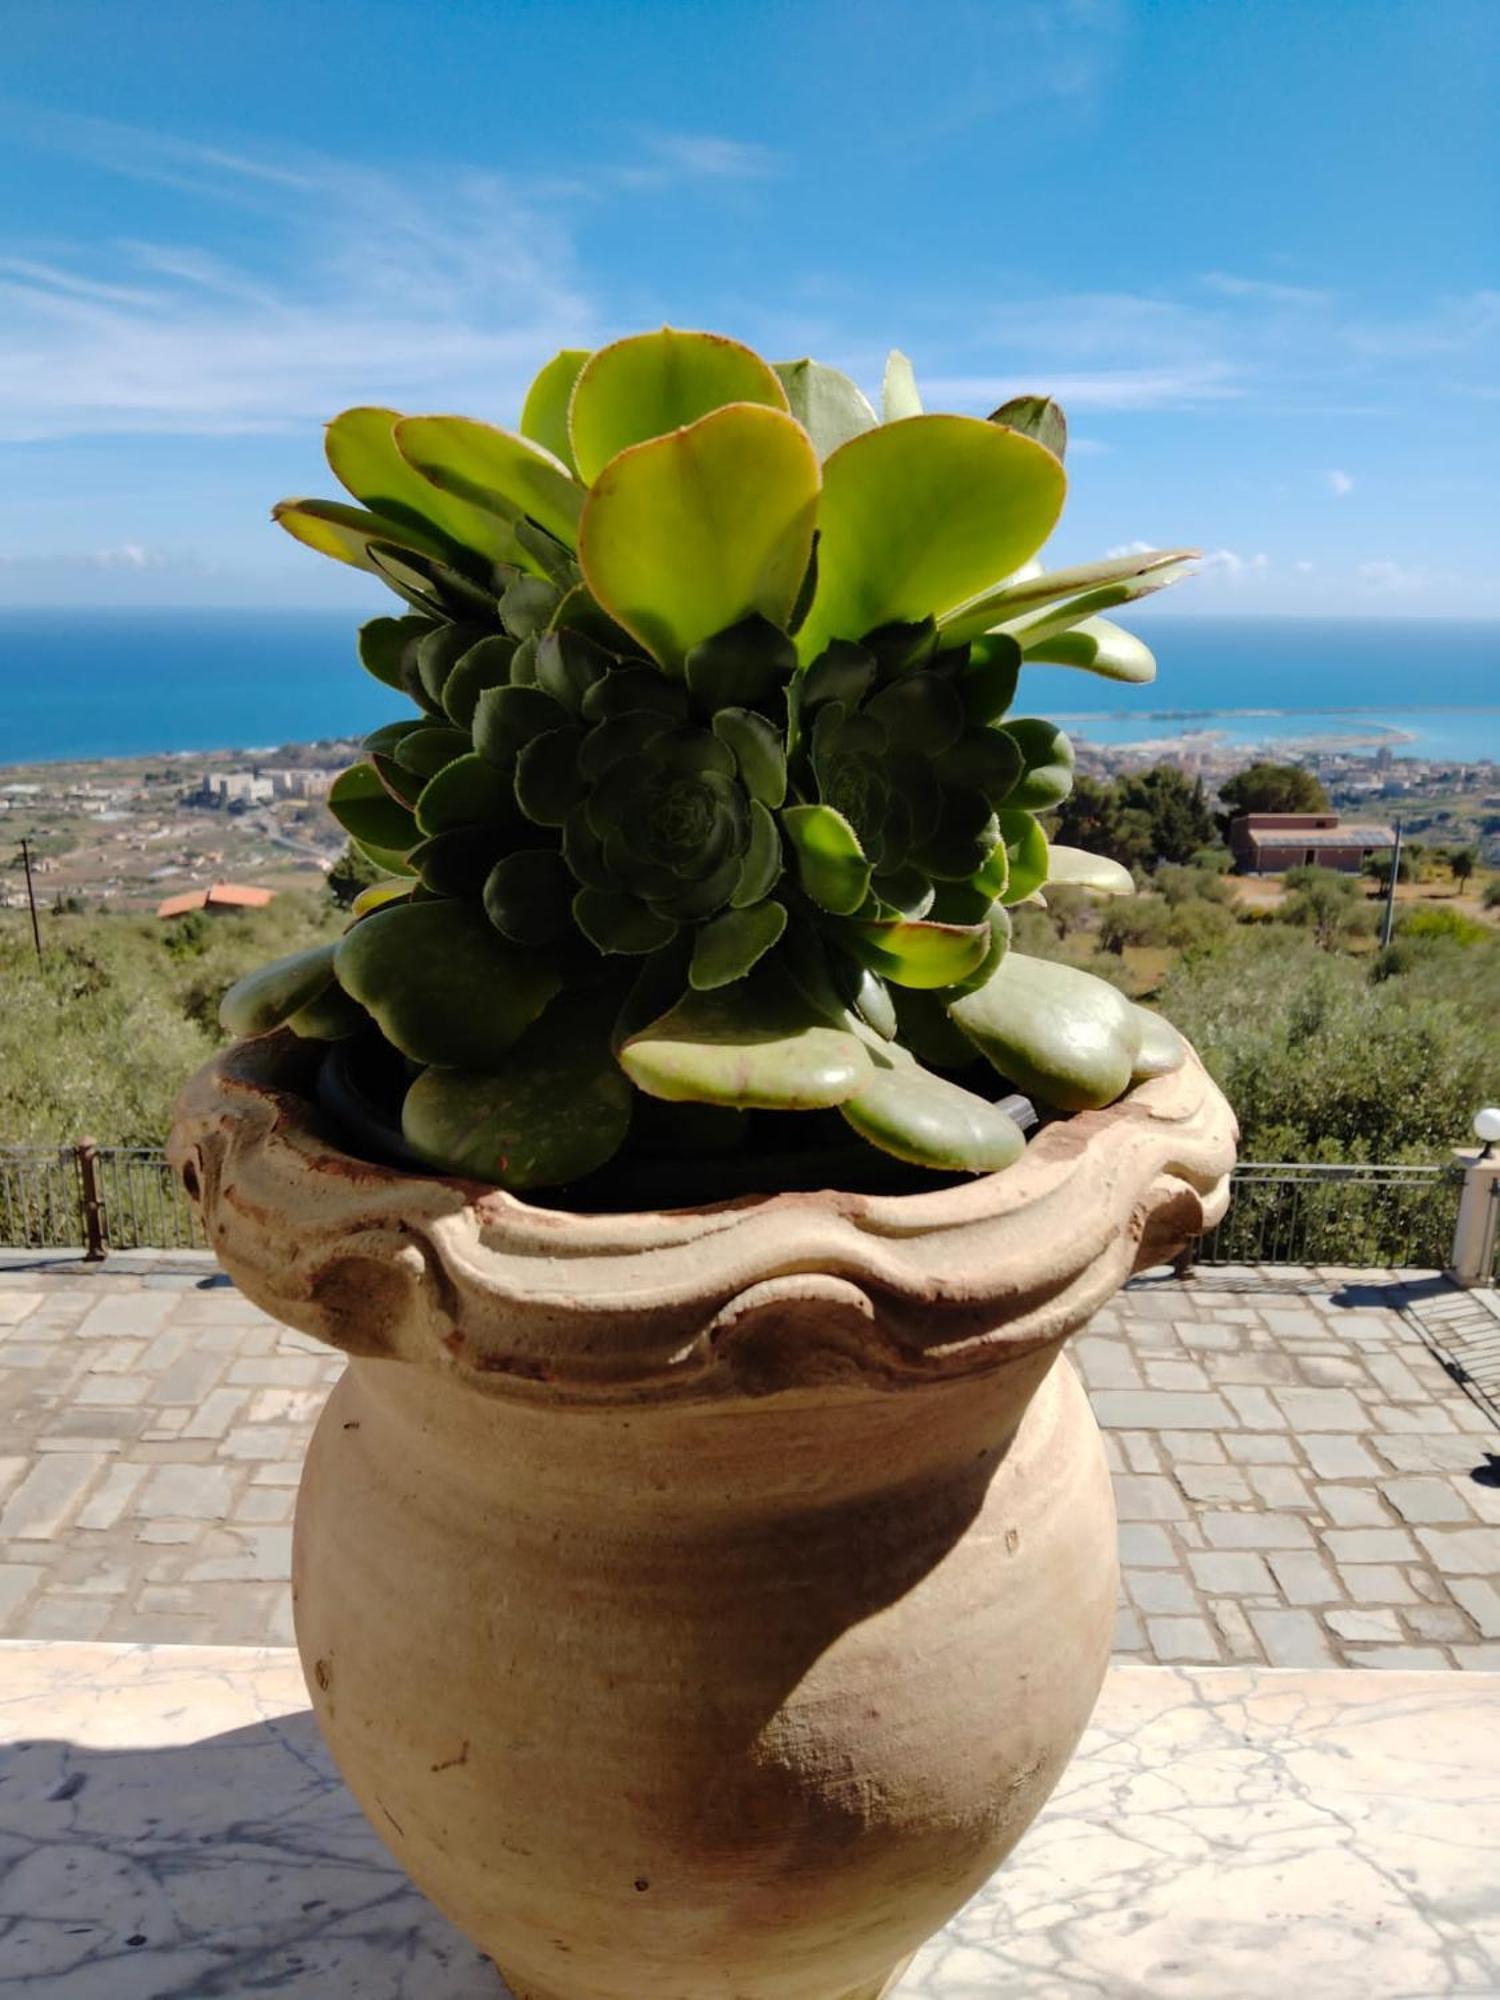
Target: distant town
(132,833)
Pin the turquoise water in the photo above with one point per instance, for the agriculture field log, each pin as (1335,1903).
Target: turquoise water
(112,683)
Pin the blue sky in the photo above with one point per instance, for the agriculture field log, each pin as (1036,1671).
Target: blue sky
(1252,245)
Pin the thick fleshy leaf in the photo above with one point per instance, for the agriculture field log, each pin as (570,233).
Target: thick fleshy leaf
(568,665)
(506,719)
(554,1109)
(429,583)
(757,750)
(361,448)
(654,383)
(741,666)
(544,414)
(1059,1034)
(528,606)
(1036,417)
(457,861)
(424,752)
(1124,577)
(442,984)
(1046,764)
(831,865)
(527,894)
(386,645)
(1074,868)
(271,994)
(346,533)
(467,792)
(843,671)
(693,532)
(549,782)
(377,894)
(1098,647)
(364,808)
(759,1043)
(988,683)
(920,713)
(494,473)
(928,1120)
(330,1017)
(923,955)
(899,396)
(918,517)
(485,665)
(1162,1049)
(760,870)
(829,407)
(727,948)
(621,924)
(998,919)
(579,611)
(1026,853)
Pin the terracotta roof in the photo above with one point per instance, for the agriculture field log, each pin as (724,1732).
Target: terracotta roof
(179,906)
(222,896)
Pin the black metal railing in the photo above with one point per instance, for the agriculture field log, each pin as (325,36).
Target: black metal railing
(97,1198)
(1309,1212)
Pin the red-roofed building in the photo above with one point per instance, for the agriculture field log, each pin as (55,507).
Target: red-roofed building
(1269,843)
(223,899)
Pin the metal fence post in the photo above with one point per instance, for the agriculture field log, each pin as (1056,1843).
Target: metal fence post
(95,1222)
(1473,1259)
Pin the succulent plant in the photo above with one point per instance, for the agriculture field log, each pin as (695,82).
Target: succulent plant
(711,800)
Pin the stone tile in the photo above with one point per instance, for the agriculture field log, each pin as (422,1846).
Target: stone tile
(1353,1507)
(1192,1448)
(1234,1629)
(1206,1335)
(16,1306)
(189,1378)
(1232,1572)
(1140,1498)
(1481,1600)
(1181,1639)
(1143,1546)
(303,1406)
(265,1505)
(282,1371)
(1256,1531)
(188,1493)
(1369,1545)
(1129,1637)
(17,1582)
(1376,1583)
(1396,1379)
(1281,1486)
(1140,1451)
(1114,1456)
(1455,1551)
(1169,1374)
(1105,1364)
(1427,1502)
(257,1441)
(1439,1621)
(1260,1448)
(1160,1410)
(1251,1369)
(1292,1638)
(1254,1409)
(115,1390)
(1322,1410)
(48,1495)
(1478,1659)
(1405,1453)
(1331,1371)
(1305,1578)
(1163,1590)
(218,1410)
(111,1497)
(1339,1458)
(69,1617)
(1397,1659)
(12,1471)
(1411,1420)
(1368,1626)
(264,1555)
(1213,1482)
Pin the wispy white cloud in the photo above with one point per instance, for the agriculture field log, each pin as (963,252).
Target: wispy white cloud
(1338,483)
(1232,566)
(1384,578)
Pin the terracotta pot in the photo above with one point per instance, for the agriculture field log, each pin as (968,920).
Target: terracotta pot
(700,1603)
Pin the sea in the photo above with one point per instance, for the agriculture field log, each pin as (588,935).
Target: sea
(94,684)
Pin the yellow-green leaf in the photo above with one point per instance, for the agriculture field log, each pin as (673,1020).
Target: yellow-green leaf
(654,383)
(690,533)
(544,414)
(920,516)
(361,448)
(899,395)
(493,471)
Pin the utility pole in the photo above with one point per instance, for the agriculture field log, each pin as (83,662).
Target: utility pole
(1390,892)
(36,929)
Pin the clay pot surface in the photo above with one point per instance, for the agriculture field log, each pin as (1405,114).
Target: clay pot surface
(700,1603)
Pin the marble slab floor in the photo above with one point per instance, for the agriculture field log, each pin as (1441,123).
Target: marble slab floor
(170,1829)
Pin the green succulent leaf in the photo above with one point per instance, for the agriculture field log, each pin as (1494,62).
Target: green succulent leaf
(364,808)
(549,782)
(988,683)
(438,652)
(443,986)
(874,1005)
(619,923)
(741,666)
(391,735)
(843,671)
(1036,417)
(528,606)
(270,995)
(1026,852)
(506,719)
(376,896)
(998,919)
(429,583)
(899,396)
(654,383)
(527,896)
(760,869)
(553,558)
(494,474)
(330,1017)
(829,407)
(425,752)
(1073,867)
(467,792)
(920,712)
(579,611)
(385,644)
(757,750)
(485,665)
(759,1043)
(727,948)
(692,532)
(552,1110)
(924,955)
(831,865)
(1123,578)
(918,517)
(1162,1049)
(622,736)
(1046,764)
(929,1120)
(457,861)
(1059,1034)
(544,414)
(568,665)
(634,691)
(363,450)
(1098,647)
(347,533)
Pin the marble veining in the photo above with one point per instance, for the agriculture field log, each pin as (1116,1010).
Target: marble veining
(170,1829)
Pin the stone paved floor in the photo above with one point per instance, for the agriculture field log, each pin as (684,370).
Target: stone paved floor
(1299,1481)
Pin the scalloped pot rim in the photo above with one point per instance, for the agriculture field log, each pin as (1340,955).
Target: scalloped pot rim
(448,1271)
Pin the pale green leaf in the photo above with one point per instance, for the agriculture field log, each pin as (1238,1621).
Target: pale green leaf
(1058,1034)
(498,474)
(759,1044)
(1074,868)
(544,414)
(1098,648)
(654,383)
(829,407)
(831,865)
(899,396)
(272,994)
(727,948)
(928,1120)
(361,448)
(1018,597)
